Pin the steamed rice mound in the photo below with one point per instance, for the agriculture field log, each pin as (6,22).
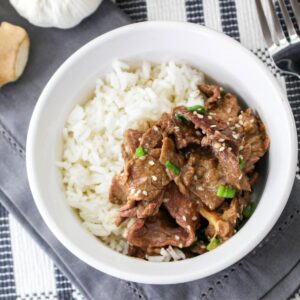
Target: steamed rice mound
(93,134)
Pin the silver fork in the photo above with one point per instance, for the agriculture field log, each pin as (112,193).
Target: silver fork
(284,51)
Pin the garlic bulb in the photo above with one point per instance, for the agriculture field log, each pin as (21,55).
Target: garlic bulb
(55,13)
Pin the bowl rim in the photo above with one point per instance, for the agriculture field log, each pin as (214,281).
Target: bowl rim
(105,266)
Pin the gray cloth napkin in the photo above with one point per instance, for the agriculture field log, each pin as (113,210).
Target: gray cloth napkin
(271,271)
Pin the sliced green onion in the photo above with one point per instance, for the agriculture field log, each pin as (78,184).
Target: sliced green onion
(225,191)
(172,167)
(249,210)
(223,93)
(213,244)
(242,164)
(139,152)
(181,118)
(198,108)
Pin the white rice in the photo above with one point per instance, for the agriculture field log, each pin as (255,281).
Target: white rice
(93,133)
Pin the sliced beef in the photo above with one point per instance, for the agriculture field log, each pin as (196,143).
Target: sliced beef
(255,141)
(131,141)
(118,189)
(157,231)
(149,208)
(183,210)
(147,178)
(151,138)
(202,175)
(226,109)
(169,153)
(212,92)
(232,171)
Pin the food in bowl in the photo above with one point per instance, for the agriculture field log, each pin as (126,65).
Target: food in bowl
(159,164)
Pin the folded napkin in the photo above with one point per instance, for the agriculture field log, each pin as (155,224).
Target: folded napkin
(271,271)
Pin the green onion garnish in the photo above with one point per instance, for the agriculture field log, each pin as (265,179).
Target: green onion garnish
(213,244)
(172,167)
(139,152)
(242,163)
(225,191)
(249,209)
(181,118)
(223,93)
(199,108)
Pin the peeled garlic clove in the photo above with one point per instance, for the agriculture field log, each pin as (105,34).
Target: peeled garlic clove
(14,50)
(55,13)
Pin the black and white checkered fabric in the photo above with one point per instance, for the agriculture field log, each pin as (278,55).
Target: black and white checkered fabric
(25,270)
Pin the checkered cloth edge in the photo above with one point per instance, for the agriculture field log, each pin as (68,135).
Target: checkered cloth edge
(25,270)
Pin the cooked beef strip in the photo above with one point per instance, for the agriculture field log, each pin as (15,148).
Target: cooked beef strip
(205,179)
(118,190)
(255,141)
(213,92)
(147,178)
(149,208)
(183,210)
(157,231)
(226,109)
(131,141)
(151,138)
(169,153)
(223,145)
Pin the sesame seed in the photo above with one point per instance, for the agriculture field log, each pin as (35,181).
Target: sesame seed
(213,126)
(240,176)
(180,245)
(184,218)
(221,140)
(252,121)
(145,193)
(142,157)
(241,122)
(200,188)
(165,200)
(176,128)
(212,113)
(154,178)
(217,145)
(229,148)
(195,177)
(198,133)
(210,117)
(189,227)
(140,139)
(138,191)
(222,149)
(240,117)
(241,157)
(155,128)
(199,116)
(241,147)
(151,163)
(228,123)
(235,136)
(194,218)
(195,112)
(237,125)
(177,238)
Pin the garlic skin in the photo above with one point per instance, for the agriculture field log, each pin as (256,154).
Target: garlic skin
(55,13)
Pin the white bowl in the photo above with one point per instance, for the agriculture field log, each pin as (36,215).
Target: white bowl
(224,60)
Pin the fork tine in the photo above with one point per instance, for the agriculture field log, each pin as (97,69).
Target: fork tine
(296,9)
(280,37)
(264,24)
(289,24)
